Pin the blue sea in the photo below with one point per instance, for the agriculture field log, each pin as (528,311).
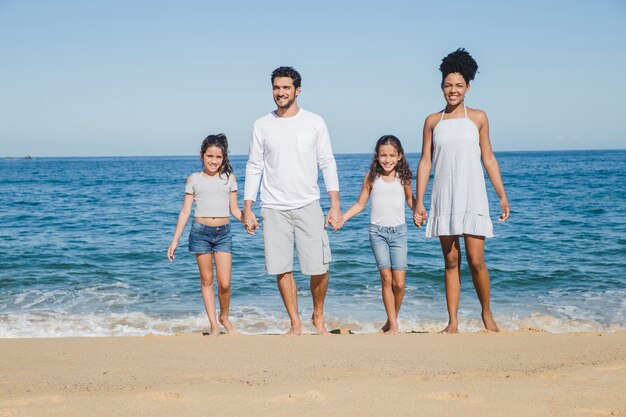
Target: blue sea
(83,245)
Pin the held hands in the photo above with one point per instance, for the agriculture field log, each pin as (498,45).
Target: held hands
(419,215)
(249,221)
(334,219)
(506,211)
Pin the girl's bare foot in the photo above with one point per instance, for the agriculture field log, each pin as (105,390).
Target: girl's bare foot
(385,328)
(293,331)
(450,329)
(490,323)
(212,333)
(230,329)
(389,328)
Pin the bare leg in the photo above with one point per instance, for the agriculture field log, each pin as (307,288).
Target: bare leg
(452,258)
(223,268)
(289,294)
(205,266)
(475,251)
(389,301)
(398,289)
(319,285)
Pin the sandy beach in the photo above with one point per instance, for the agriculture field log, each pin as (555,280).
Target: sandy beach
(521,373)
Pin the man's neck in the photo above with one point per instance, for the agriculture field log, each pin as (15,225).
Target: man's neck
(288,112)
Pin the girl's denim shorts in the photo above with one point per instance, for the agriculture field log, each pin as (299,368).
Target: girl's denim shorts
(209,239)
(389,245)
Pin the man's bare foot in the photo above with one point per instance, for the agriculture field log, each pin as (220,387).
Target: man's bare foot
(230,329)
(319,324)
(490,323)
(450,329)
(293,331)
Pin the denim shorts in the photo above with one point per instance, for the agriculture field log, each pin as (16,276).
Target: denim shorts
(389,245)
(209,239)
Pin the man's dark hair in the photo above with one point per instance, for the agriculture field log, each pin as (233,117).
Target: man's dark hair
(287,72)
(459,61)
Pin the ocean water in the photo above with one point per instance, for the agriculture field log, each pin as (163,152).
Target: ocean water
(83,246)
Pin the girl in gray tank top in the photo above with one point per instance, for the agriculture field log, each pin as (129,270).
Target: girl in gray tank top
(214,193)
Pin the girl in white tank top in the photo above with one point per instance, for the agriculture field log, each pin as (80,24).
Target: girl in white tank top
(388,186)
(455,143)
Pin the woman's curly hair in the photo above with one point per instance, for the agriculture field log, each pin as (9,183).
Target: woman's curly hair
(402,169)
(219,141)
(459,61)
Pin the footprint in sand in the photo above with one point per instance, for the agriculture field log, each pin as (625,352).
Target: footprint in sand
(611,368)
(313,395)
(447,396)
(163,395)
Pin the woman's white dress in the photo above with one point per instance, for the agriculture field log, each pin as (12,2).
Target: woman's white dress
(459,197)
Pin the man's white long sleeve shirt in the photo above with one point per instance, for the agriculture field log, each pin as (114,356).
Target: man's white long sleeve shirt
(283,159)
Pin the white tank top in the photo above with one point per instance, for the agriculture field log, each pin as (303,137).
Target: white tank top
(387,203)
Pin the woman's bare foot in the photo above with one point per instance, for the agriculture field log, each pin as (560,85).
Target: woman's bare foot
(230,329)
(391,332)
(212,333)
(319,324)
(490,323)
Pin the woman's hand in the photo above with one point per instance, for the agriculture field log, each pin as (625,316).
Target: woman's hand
(506,211)
(419,215)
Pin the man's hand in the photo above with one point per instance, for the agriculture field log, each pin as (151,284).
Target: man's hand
(334,218)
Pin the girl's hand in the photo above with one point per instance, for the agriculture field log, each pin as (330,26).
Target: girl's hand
(172,250)
(249,221)
(506,211)
(419,215)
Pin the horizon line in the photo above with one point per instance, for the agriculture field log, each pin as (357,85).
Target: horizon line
(10,157)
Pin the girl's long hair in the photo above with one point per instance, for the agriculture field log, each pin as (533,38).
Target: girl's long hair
(219,141)
(402,169)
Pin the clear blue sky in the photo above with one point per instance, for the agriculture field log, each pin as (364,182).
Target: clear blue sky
(82,78)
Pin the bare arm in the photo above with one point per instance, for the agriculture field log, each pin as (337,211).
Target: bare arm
(491,163)
(235,211)
(408,195)
(360,202)
(254,171)
(183,217)
(423,171)
(233,204)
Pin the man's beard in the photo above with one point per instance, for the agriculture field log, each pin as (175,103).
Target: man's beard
(288,104)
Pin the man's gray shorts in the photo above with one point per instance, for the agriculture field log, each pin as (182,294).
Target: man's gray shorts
(305,226)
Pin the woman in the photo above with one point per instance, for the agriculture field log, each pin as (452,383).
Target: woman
(455,141)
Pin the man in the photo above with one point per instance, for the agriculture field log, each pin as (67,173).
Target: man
(286,149)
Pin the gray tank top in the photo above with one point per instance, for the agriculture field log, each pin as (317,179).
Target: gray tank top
(211,194)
